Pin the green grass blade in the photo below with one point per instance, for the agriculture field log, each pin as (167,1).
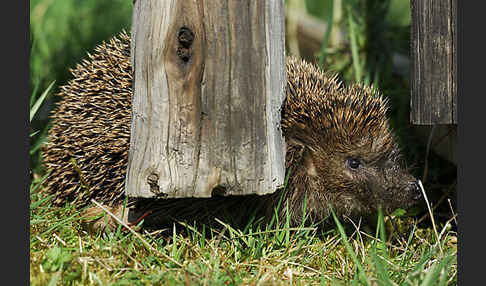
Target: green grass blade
(325,41)
(37,146)
(350,249)
(380,231)
(55,278)
(381,269)
(354,44)
(33,134)
(34,92)
(40,100)
(379,247)
(118,229)
(433,275)
(95,278)
(275,218)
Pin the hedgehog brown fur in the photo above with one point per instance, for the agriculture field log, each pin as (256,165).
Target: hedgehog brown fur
(340,149)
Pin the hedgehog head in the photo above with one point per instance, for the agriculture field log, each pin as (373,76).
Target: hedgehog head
(341,152)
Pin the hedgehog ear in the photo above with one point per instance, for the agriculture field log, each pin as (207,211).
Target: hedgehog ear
(302,153)
(301,145)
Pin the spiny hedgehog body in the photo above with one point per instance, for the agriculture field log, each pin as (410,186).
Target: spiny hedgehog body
(340,150)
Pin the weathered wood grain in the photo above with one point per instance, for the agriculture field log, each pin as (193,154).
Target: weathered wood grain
(433,84)
(209,81)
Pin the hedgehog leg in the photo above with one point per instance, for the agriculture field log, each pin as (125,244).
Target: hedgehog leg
(94,219)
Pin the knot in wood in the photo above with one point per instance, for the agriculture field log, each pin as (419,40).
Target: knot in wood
(185,38)
(153,180)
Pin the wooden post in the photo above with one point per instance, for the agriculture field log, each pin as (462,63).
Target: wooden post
(209,82)
(434,88)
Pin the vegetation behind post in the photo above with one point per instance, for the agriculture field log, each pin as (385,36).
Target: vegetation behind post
(209,81)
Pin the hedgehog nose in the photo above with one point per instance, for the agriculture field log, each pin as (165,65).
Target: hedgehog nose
(414,189)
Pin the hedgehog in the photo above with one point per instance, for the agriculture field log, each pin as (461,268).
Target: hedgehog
(341,153)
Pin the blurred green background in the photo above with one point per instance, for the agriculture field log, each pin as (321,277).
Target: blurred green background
(62,31)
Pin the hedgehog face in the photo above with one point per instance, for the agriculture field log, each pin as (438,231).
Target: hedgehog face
(358,180)
(355,182)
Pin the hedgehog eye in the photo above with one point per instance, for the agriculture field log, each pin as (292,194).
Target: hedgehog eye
(353,163)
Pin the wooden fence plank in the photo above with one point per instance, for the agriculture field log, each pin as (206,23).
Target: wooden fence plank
(209,82)
(433,84)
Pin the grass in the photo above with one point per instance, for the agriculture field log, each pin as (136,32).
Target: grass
(62,251)
(400,251)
